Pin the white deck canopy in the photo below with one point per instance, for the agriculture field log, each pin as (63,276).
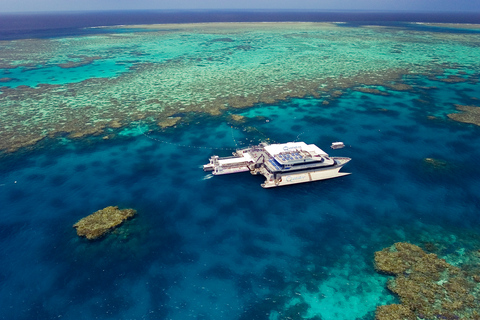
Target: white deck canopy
(275,149)
(235,160)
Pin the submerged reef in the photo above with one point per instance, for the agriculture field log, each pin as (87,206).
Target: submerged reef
(470,114)
(169,122)
(102,221)
(237,119)
(371,90)
(436,164)
(394,312)
(428,287)
(78,86)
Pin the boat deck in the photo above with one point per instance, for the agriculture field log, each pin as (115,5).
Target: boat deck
(281,164)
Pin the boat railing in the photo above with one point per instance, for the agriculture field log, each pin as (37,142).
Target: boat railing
(229,157)
(235,165)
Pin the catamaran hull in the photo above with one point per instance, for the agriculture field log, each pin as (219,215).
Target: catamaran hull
(220,171)
(288,179)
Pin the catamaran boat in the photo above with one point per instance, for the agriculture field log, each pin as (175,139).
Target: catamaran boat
(281,164)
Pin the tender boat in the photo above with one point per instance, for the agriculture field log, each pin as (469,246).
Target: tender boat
(337,145)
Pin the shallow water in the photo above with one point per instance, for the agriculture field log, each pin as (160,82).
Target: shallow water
(204,247)
(79,86)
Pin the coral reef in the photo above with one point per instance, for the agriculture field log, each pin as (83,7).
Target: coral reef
(428,287)
(436,163)
(100,222)
(470,114)
(78,61)
(394,312)
(452,79)
(237,118)
(112,81)
(169,122)
(372,91)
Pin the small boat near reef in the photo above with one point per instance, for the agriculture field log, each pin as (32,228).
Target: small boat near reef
(281,164)
(337,145)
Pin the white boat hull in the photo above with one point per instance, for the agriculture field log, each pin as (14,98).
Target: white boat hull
(220,171)
(289,179)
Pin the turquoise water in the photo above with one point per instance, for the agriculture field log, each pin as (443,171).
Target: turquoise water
(205,247)
(54,74)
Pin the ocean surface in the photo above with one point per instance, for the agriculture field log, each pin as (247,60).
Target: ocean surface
(127,116)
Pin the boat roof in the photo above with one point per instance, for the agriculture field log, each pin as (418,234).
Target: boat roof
(232,160)
(275,149)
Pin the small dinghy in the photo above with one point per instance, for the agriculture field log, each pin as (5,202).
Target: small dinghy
(337,145)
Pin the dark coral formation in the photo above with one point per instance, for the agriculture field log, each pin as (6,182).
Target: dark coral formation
(169,122)
(394,312)
(372,91)
(470,114)
(78,61)
(102,221)
(428,287)
(436,164)
(452,79)
(237,119)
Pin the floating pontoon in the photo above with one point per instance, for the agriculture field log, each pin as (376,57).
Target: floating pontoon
(281,164)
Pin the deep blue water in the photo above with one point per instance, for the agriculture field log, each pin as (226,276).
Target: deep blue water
(206,247)
(51,25)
